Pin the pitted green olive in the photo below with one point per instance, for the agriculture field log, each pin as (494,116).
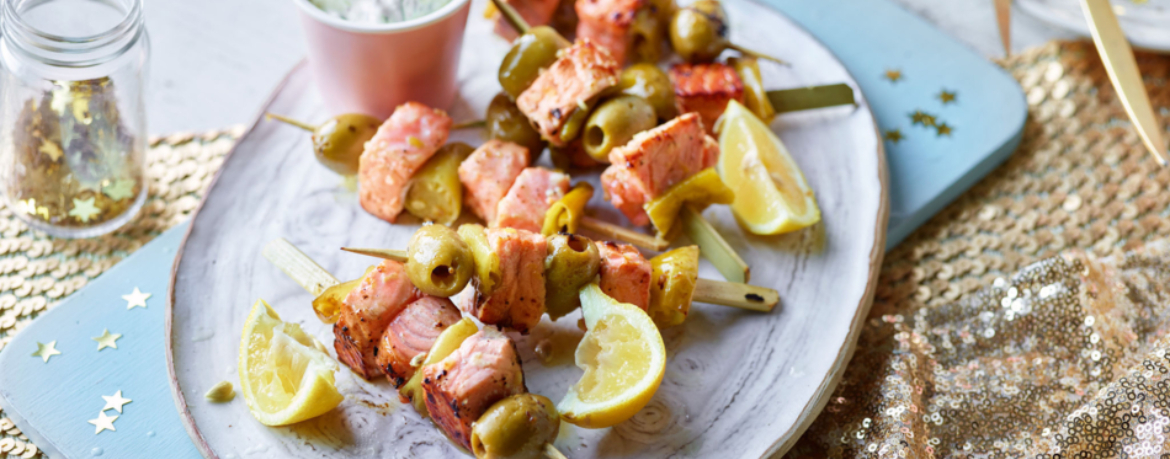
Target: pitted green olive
(615,122)
(339,142)
(517,427)
(651,83)
(530,53)
(506,122)
(439,262)
(698,33)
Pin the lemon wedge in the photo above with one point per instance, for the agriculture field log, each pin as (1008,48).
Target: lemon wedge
(284,376)
(771,194)
(623,358)
(444,345)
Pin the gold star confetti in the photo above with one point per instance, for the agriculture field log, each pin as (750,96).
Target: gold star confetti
(136,299)
(45,351)
(84,210)
(103,422)
(894,135)
(943,129)
(50,149)
(107,340)
(115,402)
(120,189)
(947,97)
(893,75)
(922,118)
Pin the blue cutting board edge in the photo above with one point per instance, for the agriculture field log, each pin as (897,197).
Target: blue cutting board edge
(926,171)
(149,426)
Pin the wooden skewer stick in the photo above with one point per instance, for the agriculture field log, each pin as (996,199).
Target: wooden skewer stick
(757,54)
(302,269)
(300,124)
(388,254)
(736,295)
(552,452)
(512,16)
(713,247)
(469,124)
(615,232)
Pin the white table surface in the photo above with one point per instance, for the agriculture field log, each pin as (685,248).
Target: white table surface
(215,61)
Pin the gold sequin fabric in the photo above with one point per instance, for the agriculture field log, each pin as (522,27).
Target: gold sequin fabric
(37,271)
(1030,318)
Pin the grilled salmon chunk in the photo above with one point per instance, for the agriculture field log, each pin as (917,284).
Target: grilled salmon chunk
(365,314)
(655,160)
(577,77)
(625,273)
(607,23)
(518,299)
(484,370)
(488,174)
(400,147)
(533,192)
(411,334)
(705,89)
(534,12)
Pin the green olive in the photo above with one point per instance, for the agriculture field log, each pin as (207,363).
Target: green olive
(339,142)
(698,33)
(651,83)
(647,34)
(506,122)
(576,121)
(615,122)
(530,53)
(439,262)
(516,427)
(572,262)
(435,193)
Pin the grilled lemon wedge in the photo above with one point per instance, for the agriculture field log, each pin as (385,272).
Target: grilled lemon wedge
(771,194)
(284,377)
(623,358)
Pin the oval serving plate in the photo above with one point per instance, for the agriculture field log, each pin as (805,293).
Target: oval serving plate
(737,384)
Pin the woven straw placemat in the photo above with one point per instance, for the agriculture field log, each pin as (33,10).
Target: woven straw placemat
(37,271)
(975,349)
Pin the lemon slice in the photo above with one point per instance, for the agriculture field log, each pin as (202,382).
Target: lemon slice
(771,195)
(623,358)
(284,376)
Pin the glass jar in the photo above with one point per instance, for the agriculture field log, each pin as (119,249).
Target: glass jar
(72,115)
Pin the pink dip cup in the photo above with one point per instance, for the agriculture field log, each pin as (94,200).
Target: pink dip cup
(372,68)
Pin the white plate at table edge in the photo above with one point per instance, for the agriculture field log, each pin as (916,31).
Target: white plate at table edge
(784,441)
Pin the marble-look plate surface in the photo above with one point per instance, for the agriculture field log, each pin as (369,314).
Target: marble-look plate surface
(737,384)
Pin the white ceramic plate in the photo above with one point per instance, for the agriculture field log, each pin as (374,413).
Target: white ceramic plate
(737,384)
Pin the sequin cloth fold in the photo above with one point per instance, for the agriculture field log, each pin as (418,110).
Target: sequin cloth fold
(1030,317)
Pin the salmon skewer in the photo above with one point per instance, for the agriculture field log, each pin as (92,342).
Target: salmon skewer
(623,270)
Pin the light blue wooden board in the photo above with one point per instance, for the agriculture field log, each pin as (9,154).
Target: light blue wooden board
(51,402)
(926,171)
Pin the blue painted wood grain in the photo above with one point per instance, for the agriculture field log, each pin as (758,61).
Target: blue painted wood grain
(927,171)
(51,402)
